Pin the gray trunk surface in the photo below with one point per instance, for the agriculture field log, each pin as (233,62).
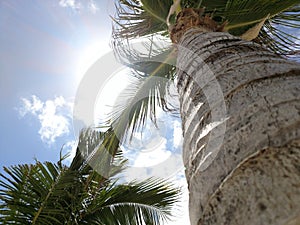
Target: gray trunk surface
(240,107)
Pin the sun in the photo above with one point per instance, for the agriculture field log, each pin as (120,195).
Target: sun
(108,96)
(113,79)
(88,55)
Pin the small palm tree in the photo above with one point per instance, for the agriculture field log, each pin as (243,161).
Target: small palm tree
(53,193)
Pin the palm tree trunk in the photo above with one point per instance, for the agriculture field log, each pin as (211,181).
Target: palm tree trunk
(240,108)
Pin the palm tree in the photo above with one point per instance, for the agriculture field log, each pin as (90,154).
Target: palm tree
(53,193)
(239,99)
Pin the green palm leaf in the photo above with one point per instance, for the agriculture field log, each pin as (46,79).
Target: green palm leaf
(140,18)
(29,191)
(240,16)
(51,193)
(134,203)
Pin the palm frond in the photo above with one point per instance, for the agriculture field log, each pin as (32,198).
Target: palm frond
(281,33)
(99,151)
(42,199)
(49,193)
(29,192)
(149,202)
(153,73)
(281,25)
(210,5)
(242,13)
(240,16)
(140,18)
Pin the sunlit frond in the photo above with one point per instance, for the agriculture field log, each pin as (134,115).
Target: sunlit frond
(281,33)
(99,151)
(153,72)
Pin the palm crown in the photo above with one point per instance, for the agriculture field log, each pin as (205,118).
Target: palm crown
(272,22)
(148,17)
(52,193)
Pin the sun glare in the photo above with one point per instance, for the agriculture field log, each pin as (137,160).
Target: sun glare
(109,94)
(88,56)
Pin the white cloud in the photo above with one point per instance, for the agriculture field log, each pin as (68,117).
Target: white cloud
(93,7)
(147,147)
(32,106)
(181,215)
(177,135)
(70,148)
(77,5)
(54,116)
(70,3)
(153,153)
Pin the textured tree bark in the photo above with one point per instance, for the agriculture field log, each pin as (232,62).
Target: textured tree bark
(240,109)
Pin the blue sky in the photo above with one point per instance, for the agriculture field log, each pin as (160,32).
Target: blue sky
(45,48)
